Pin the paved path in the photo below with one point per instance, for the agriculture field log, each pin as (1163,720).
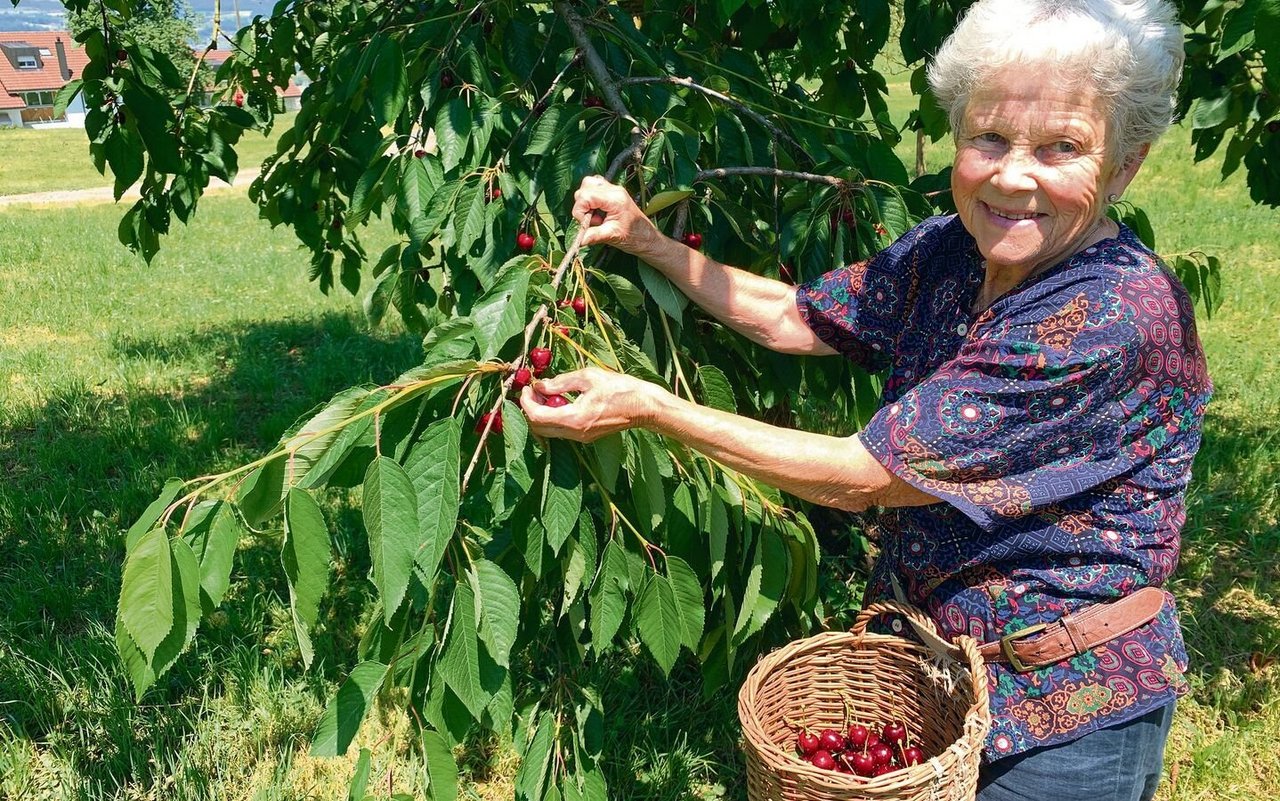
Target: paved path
(104,194)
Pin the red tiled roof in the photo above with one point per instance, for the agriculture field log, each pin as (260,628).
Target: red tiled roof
(48,77)
(9,101)
(215,57)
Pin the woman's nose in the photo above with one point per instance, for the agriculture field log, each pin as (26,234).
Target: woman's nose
(1015,172)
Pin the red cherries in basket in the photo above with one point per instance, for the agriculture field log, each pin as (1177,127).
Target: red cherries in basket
(860,750)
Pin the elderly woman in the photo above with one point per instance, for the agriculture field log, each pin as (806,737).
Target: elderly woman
(1043,400)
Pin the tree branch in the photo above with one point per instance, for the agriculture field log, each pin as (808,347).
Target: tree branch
(771,172)
(689,83)
(607,85)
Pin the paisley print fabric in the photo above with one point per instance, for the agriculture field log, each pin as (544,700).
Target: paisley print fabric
(1058,427)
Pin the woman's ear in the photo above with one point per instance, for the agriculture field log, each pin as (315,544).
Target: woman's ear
(1124,174)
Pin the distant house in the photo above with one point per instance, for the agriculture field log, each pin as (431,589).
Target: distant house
(34,65)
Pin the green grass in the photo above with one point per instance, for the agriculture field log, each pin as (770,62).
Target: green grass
(58,158)
(115,374)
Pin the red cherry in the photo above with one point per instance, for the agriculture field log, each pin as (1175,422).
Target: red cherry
(540,357)
(591,101)
(1273,126)
(555,402)
(881,753)
(522,378)
(337,222)
(808,743)
(446,80)
(420,153)
(598,217)
(863,764)
(495,193)
(692,240)
(579,306)
(873,739)
(824,760)
(122,55)
(858,735)
(495,427)
(883,769)
(894,733)
(831,740)
(525,241)
(239,99)
(912,755)
(538,108)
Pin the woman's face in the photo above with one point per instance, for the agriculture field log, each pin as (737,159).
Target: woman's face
(1031,173)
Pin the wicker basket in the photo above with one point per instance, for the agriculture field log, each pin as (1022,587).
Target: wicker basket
(937,689)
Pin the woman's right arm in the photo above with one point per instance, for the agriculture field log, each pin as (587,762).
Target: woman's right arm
(761,309)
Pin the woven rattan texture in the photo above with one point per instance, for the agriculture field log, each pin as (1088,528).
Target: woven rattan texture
(942,700)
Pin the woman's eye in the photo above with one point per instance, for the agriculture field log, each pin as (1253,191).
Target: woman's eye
(990,138)
(1063,148)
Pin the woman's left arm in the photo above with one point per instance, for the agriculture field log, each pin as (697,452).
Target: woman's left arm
(832,471)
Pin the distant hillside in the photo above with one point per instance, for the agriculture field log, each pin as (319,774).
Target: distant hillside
(47,15)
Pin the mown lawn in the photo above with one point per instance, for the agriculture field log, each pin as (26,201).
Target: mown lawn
(115,374)
(58,158)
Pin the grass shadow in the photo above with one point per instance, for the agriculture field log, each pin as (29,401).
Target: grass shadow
(77,470)
(1228,582)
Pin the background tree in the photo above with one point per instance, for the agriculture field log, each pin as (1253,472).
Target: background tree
(164,26)
(503,566)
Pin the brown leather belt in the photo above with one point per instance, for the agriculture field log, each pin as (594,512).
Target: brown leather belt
(1074,633)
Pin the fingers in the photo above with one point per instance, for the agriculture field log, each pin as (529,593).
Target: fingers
(576,381)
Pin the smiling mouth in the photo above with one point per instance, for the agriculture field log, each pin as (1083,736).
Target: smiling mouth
(1011,215)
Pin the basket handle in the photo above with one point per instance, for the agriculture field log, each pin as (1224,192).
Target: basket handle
(924,626)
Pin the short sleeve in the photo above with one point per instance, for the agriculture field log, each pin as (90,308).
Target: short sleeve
(1029,412)
(862,309)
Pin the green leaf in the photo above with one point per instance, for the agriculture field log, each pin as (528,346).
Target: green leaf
(664,293)
(185,580)
(531,776)
(388,80)
(716,390)
(561,493)
(213,533)
(663,200)
(366,189)
(658,620)
(1210,112)
(499,609)
(459,663)
(391,518)
(452,124)
(717,533)
(608,598)
(147,520)
(689,601)
(261,493)
(433,466)
(442,771)
(123,151)
(360,778)
(313,440)
(765,585)
(146,592)
(346,710)
(500,313)
(628,294)
(306,564)
(64,97)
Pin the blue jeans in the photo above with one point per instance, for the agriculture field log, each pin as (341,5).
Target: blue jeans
(1120,763)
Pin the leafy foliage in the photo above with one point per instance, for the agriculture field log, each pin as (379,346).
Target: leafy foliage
(505,565)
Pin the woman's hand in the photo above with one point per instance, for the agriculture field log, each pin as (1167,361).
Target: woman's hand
(606,402)
(624,227)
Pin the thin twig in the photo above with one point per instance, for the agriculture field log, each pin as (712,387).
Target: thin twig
(771,172)
(689,83)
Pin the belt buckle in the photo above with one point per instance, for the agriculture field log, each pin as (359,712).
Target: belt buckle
(1006,645)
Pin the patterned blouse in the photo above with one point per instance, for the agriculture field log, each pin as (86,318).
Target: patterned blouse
(1059,426)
